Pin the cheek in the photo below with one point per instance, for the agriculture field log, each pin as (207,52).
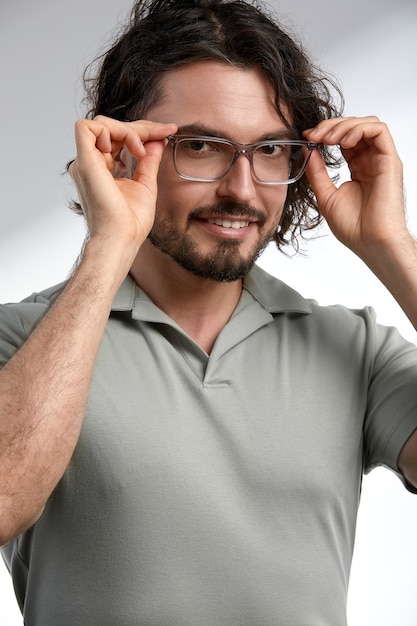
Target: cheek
(169,194)
(166,173)
(273,201)
(177,194)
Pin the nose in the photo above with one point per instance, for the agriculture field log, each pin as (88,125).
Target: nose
(238,182)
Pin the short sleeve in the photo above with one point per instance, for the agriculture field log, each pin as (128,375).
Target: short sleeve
(17,321)
(391,415)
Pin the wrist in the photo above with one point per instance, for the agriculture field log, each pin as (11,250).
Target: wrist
(104,264)
(395,264)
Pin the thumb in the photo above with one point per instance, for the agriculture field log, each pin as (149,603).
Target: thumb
(320,181)
(147,167)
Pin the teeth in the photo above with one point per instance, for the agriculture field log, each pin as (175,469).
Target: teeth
(228,223)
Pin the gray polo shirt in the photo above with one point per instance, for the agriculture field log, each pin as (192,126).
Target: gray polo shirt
(216,489)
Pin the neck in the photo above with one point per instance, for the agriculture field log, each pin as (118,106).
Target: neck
(202,307)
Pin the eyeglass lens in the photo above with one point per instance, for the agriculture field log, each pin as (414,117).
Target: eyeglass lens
(210,160)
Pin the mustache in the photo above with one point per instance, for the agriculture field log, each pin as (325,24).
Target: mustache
(232,209)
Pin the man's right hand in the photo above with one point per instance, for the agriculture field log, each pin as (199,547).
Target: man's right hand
(115,172)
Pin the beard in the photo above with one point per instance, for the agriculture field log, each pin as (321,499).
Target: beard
(225,262)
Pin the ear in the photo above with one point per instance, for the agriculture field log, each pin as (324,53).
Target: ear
(124,165)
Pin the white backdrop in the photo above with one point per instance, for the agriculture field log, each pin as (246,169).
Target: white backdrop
(371,48)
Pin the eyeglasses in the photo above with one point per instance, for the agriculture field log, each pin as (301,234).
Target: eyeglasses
(273,162)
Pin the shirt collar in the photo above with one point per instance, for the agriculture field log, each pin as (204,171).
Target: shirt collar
(125,297)
(273,294)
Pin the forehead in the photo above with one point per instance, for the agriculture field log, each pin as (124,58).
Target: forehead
(239,103)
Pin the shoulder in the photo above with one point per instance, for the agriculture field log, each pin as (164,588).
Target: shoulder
(280,299)
(334,326)
(17,319)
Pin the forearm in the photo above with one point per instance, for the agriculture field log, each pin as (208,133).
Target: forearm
(44,388)
(396,266)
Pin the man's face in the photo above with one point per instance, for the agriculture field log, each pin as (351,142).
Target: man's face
(216,230)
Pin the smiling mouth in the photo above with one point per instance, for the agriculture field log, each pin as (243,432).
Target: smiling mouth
(228,223)
(229,215)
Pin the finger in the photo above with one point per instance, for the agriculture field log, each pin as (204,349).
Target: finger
(108,136)
(143,131)
(320,181)
(152,130)
(147,168)
(350,132)
(337,127)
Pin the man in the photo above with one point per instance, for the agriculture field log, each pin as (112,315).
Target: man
(183,436)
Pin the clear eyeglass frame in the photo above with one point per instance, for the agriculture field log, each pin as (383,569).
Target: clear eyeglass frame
(248,150)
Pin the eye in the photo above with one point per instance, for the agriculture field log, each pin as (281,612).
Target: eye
(198,146)
(195,148)
(272,149)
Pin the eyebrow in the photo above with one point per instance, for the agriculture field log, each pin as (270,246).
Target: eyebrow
(199,130)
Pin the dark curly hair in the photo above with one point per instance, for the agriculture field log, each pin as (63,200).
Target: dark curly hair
(161,35)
